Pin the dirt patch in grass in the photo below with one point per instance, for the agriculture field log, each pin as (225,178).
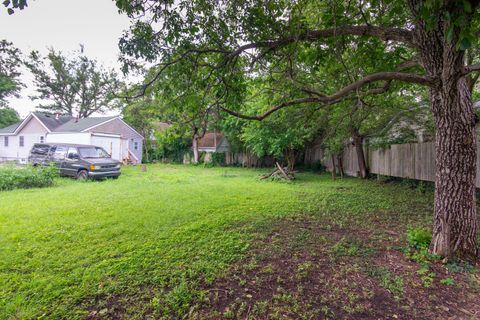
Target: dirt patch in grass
(312,269)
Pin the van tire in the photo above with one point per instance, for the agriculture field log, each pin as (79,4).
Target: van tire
(82,175)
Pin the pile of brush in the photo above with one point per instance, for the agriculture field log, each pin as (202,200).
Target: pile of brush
(280,173)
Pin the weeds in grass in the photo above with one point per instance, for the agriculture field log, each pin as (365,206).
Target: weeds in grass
(350,247)
(447,281)
(154,238)
(388,280)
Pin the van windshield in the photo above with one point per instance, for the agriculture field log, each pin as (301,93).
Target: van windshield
(93,152)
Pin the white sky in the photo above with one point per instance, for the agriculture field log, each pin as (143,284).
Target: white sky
(63,25)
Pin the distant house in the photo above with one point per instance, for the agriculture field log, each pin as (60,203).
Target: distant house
(111,133)
(213,142)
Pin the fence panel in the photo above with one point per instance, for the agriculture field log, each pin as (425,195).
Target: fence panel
(413,161)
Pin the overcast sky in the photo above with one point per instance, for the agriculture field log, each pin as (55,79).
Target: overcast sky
(64,25)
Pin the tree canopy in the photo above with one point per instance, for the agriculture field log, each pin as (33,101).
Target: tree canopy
(77,86)
(10,63)
(8,116)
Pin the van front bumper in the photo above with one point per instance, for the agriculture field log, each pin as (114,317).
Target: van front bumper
(104,174)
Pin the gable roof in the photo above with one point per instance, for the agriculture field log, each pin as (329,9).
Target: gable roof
(80,125)
(210,140)
(10,128)
(50,121)
(62,123)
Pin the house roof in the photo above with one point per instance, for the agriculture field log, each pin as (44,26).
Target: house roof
(74,125)
(51,121)
(11,128)
(62,123)
(210,140)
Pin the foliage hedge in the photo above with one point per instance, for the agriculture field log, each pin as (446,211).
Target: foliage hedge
(12,177)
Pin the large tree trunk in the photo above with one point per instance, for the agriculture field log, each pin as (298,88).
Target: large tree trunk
(455,223)
(362,164)
(455,227)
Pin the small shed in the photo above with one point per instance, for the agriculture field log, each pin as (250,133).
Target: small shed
(213,142)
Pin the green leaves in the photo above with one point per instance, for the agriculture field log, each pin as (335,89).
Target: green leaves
(10,65)
(8,116)
(73,85)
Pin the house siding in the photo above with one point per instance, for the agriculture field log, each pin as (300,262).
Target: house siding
(117,126)
(31,132)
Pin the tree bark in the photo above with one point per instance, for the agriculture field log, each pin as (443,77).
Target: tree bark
(455,223)
(362,164)
(334,173)
(290,157)
(195,148)
(455,227)
(340,166)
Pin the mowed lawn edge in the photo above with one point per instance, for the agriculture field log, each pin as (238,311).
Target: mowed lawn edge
(152,236)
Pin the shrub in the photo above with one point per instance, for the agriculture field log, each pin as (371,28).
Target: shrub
(12,177)
(218,158)
(419,238)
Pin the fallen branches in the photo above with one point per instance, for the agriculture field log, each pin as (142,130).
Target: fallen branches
(280,173)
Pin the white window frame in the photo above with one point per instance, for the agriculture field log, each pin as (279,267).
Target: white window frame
(21,141)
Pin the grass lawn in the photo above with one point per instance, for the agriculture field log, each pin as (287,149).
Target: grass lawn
(193,242)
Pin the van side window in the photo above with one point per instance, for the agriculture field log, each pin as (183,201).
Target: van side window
(59,153)
(39,149)
(72,153)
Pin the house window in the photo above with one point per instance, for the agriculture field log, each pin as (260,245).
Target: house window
(42,139)
(5,141)
(21,141)
(135,145)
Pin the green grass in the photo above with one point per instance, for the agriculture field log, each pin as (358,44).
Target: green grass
(145,241)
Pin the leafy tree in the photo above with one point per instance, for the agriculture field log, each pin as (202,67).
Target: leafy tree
(10,63)
(433,34)
(74,86)
(284,134)
(182,100)
(8,116)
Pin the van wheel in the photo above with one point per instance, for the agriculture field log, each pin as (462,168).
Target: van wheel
(82,175)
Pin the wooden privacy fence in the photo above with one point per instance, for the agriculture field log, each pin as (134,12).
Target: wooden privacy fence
(246,159)
(411,160)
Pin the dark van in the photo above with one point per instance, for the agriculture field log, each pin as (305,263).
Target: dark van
(76,160)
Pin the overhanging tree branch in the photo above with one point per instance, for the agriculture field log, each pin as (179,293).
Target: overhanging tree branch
(341,94)
(384,33)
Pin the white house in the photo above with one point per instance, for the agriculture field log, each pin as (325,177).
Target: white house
(112,133)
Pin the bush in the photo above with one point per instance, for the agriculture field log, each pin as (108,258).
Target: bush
(218,159)
(419,238)
(12,177)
